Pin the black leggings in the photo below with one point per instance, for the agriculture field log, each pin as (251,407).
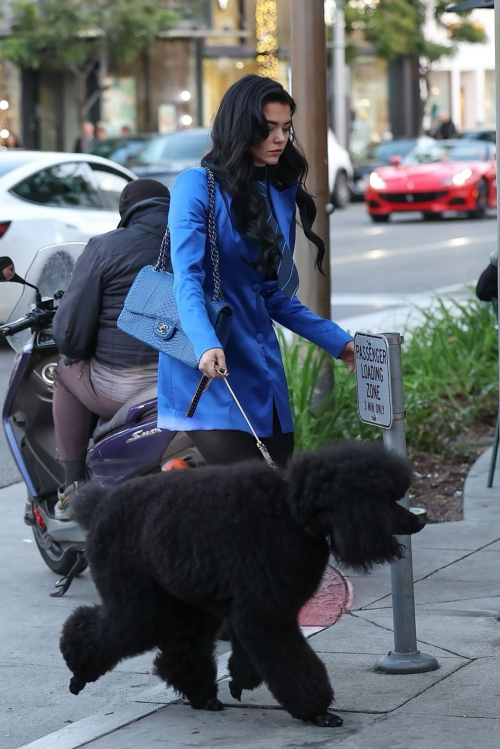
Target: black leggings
(223,446)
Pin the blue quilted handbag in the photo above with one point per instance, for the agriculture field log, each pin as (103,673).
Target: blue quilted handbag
(150,310)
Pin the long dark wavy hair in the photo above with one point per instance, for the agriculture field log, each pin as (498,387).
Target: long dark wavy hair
(238,125)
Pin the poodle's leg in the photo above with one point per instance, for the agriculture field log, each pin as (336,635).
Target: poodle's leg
(95,638)
(186,658)
(290,667)
(242,671)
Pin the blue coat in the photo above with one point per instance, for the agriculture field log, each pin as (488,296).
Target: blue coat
(252,353)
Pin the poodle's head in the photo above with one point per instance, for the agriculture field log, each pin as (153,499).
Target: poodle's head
(349,493)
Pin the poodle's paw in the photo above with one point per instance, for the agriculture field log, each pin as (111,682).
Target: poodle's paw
(76,685)
(327,720)
(213,704)
(235,690)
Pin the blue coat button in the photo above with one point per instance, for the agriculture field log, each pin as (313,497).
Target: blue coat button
(256,287)
(259,337)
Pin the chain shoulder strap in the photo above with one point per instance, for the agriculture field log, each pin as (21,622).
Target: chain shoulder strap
(163,257)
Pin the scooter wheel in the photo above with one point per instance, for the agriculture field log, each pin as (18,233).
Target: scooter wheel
(55,558)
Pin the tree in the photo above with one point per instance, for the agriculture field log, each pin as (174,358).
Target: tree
(75,35)
(398,28)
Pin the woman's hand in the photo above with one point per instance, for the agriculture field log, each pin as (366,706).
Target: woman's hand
(210,359)
(347,355)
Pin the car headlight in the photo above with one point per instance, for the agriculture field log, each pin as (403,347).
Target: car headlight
(376,182)
(459,179)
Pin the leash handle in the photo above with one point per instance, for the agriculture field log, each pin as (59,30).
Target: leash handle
(202,386)
(263,449)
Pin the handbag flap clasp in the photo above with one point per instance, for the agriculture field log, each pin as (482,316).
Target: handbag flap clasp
(164,330)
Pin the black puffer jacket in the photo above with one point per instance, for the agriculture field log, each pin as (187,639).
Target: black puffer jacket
(85,323)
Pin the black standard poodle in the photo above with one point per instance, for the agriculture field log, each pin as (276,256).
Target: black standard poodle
(174,554)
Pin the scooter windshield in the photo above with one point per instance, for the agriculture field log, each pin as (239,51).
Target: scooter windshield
(50,271)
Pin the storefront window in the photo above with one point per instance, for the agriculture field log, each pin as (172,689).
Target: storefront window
(221,72)
(489,98)
(369,102)
(119,105)
(10,97)
(439,99)
(190,13)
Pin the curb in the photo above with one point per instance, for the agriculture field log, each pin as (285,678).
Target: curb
(96,726)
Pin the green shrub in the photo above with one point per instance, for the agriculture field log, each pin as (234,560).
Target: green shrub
(450,379)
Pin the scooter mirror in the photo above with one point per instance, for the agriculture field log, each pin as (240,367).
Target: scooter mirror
(7,269)
(8,273)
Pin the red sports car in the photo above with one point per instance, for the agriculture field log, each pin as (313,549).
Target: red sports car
(447,175)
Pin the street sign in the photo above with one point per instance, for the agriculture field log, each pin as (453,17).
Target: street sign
(373,379)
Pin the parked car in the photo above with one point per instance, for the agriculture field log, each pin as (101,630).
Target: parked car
(340,172)
(381,154)
(165,156)
(448,175)
(120,150)
(489,135)
(46,198)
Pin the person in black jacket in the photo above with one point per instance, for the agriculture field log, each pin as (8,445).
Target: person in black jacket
(487,286)
(103,367)
(447,128)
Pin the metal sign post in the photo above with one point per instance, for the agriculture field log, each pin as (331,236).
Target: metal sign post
(379,380)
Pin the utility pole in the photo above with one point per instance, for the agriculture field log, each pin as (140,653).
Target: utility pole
(339,75)
(310,122)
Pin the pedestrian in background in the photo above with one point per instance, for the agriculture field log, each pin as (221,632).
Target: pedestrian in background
(100,132)
(87,139)
(487,285)
(259,173)
(12,141)
(447,128)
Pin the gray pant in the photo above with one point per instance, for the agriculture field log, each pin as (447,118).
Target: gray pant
(74,407)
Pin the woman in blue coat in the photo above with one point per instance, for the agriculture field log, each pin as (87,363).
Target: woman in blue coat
(259,175)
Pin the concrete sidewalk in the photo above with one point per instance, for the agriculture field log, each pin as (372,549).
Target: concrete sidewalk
(457,574)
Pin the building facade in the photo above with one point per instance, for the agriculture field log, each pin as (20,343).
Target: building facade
(463,86)
(178,83)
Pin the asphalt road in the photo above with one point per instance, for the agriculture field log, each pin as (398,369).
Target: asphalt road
(373,267)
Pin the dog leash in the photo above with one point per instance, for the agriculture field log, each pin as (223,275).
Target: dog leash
(203,386)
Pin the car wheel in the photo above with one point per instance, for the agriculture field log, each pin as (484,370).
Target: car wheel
(481,200)
(380,218)
(341,194)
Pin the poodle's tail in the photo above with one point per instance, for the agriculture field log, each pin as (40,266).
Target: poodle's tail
(86,503)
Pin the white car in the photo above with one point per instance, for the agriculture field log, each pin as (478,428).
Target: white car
(47,198)
(339,172)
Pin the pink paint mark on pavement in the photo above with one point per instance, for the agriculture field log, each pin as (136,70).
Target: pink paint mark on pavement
(332,599)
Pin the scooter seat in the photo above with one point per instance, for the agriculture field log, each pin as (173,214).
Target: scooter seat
(118,420)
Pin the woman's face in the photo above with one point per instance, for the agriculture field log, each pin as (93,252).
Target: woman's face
(279,120)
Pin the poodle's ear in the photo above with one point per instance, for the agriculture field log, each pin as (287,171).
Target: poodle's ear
(310,476)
